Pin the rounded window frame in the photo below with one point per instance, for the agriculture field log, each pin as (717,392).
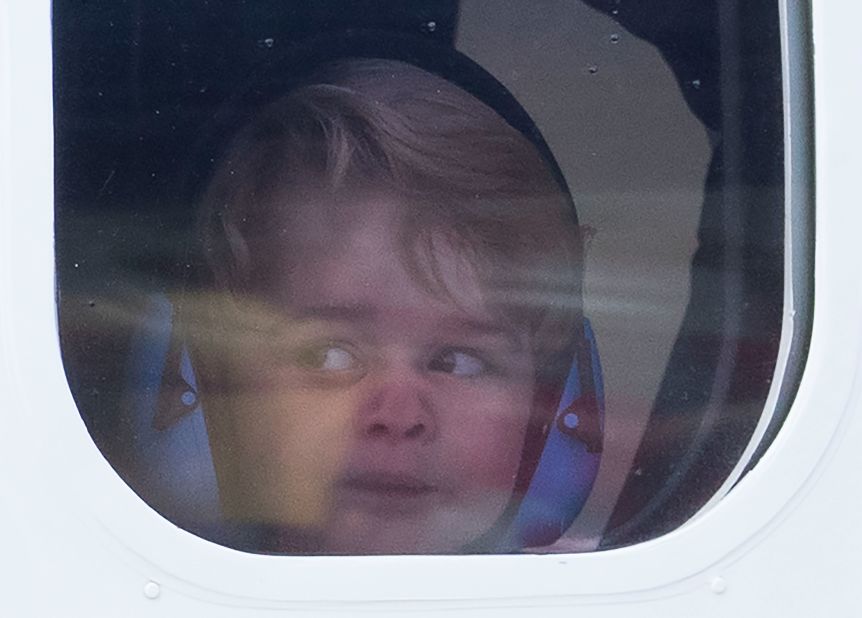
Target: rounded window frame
(110,513)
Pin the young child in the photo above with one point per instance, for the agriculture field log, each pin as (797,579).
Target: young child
(391,314)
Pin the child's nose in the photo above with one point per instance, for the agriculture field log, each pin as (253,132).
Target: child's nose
(398,409)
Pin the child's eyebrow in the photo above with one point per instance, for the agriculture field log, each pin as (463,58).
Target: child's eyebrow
(457,324)
(341,313)
(475,326)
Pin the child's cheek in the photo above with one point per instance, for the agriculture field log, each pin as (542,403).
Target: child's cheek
(484,427)
(293,443)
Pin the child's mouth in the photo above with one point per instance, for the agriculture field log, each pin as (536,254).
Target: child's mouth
(389,484)
(387,493)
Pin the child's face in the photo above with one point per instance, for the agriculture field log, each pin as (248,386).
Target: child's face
(377,416)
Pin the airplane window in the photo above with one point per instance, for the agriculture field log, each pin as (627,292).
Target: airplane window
(409,277)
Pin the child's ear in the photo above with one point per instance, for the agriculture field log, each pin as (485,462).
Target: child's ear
(241,261)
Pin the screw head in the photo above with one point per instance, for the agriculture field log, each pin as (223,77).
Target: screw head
(718,585)
(152,590)
(571,420)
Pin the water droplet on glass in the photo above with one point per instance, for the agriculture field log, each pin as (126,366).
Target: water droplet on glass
(615,38)
(615,12)
(695,83)
(429,26)
(593,69)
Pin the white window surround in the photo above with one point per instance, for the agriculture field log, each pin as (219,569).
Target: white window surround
(76,538)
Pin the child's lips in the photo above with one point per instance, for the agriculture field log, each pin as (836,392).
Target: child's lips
(388,483)
(389,493)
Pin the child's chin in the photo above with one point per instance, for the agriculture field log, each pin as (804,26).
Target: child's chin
(393,538)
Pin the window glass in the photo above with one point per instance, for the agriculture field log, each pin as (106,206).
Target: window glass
(400,277)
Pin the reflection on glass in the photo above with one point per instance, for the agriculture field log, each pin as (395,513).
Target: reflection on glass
(300,292)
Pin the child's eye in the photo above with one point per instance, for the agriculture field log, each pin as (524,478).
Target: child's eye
(329,357)
(461,363)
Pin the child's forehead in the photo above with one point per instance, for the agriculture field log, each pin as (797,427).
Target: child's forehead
(324,234)
(365,279)
(361,229)
(335,251)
